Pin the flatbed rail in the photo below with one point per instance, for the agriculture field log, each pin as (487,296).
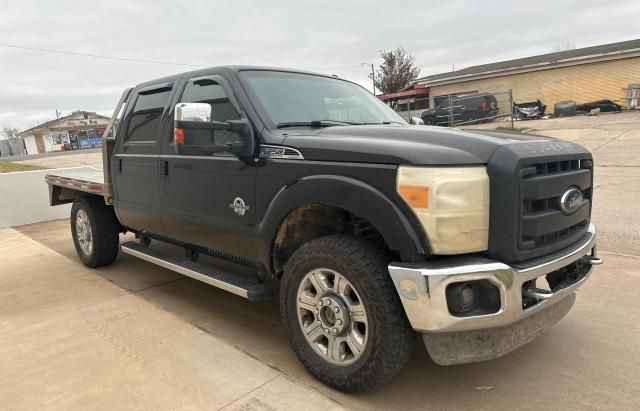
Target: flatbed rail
(85,179)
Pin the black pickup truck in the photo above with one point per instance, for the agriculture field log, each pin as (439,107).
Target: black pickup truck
(373,229)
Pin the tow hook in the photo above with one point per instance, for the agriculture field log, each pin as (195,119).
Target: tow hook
(591,260)
(537,293)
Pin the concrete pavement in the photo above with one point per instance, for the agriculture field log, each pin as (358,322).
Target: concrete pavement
(69,339)
(587,361)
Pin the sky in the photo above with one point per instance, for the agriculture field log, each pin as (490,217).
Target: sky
(332,37)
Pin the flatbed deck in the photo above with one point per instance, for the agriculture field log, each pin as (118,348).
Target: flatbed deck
(87,179)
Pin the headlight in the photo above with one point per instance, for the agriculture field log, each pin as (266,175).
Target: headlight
(452,203)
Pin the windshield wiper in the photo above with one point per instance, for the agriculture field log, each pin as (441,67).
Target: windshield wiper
(384,122)
(314,123)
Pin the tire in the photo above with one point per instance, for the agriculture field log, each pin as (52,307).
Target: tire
(92,219)
(428,120)
(565,109)
(470,117)
(385,340)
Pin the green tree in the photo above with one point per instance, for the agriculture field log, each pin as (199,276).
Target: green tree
(396,71)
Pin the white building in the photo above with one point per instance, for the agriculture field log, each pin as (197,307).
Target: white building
(80,129)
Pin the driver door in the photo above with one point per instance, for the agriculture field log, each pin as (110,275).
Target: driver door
(208,200)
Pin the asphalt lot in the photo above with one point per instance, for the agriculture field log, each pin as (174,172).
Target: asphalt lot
(587,361)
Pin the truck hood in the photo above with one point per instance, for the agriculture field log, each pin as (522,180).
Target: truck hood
(402,144)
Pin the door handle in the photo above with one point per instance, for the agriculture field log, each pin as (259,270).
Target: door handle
(165,168)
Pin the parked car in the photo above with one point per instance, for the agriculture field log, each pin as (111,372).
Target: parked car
(371,228)
(463,109)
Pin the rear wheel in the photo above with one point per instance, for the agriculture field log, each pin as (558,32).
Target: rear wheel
(95,231)
(470,117)
(343,315)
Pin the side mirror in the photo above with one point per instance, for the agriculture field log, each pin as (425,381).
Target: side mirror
(194,132)
(197,112)
(417,121)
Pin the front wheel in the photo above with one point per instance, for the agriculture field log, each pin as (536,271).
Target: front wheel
(343,315)
(95,230)
(428,121)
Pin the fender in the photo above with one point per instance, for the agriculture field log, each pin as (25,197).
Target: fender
(349,194)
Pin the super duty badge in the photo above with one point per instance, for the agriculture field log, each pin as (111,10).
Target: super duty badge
(547,147)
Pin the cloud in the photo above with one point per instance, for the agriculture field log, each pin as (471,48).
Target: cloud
(328,36)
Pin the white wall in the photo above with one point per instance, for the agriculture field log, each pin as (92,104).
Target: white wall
(24,198)
(30,143)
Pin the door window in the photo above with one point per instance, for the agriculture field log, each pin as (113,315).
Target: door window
(147,113)
(211,92)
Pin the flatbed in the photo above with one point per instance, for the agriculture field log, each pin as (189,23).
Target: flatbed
(63,183)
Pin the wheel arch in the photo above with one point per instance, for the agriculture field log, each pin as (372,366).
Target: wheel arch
(350,195)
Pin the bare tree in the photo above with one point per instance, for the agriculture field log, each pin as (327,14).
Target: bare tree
(10,132)
(563,46)
(396,71)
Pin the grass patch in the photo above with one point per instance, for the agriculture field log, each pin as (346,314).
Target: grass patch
(512,130)
(13,167)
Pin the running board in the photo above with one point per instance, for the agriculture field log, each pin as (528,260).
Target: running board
(251,290)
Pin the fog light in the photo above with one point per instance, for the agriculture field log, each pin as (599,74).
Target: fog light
(470,298)
(460,297)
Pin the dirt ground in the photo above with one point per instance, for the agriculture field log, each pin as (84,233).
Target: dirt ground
(63,159)
(589,360)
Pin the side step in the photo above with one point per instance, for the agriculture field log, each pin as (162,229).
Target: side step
(251,290)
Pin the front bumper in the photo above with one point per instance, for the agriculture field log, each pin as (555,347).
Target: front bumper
(422,290)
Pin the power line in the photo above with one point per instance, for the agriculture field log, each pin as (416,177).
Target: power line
(336,68)
(72,53)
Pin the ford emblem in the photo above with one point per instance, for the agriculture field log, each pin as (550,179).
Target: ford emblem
(571,200)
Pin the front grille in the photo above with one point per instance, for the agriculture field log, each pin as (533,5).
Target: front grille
(554,167)
(547,258)
(543,222)
(559,235)
(527,183)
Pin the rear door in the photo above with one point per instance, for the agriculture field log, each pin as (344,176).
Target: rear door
(135,164)
(209,200)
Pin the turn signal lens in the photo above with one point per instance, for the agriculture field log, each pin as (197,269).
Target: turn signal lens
(178,136)
(415,196)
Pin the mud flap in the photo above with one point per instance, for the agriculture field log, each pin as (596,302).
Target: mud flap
(480,345)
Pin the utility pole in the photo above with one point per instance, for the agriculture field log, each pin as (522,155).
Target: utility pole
(373,75)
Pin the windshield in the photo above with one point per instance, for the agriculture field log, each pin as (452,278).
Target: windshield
(293,98)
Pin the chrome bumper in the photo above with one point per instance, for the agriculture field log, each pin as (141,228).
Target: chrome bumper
(422,288)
